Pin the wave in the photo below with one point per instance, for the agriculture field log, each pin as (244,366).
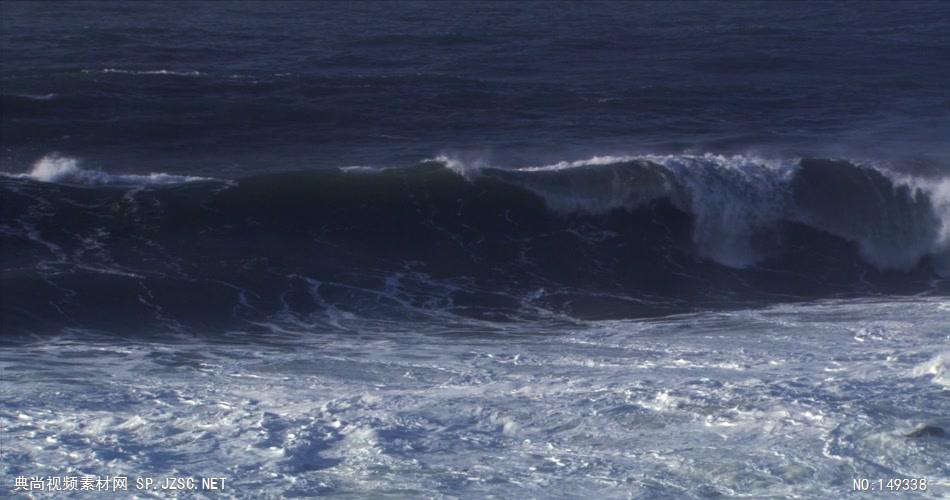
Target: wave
(143,72)
(32,97)
(895,219)
(442,239)
(60,169)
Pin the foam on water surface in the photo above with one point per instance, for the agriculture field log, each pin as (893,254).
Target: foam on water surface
(791,400)
(62,169)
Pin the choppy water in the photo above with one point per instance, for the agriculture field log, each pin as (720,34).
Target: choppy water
(786,401)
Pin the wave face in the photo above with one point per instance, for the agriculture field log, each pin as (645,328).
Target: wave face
(895,221)
(601,238)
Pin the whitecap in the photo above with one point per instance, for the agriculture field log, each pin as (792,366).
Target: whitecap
(62,169)
(143,72)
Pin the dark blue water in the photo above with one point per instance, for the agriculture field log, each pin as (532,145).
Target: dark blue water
(177,166)
(228,88)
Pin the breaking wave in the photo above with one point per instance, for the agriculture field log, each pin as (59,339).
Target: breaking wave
(604,237)
(55,168)
(895,220)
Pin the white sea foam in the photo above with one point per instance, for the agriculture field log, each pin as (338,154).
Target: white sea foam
(937,368)
(360,169)
(36,97)
(937,191)
(609,409)
(143,72)
(730,196)
(467,169)
(61,169)
(596,160)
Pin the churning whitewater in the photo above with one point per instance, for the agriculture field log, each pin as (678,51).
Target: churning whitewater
(791,400)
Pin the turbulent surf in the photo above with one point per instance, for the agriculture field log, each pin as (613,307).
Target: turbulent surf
(608,237)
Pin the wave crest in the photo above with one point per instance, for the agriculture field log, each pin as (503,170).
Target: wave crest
(61,169)
(165,72)
(737,205)
(736,200)
(597,239)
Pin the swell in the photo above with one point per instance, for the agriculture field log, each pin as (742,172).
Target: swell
(601,238)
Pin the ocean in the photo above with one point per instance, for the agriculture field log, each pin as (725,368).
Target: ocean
(475,249)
